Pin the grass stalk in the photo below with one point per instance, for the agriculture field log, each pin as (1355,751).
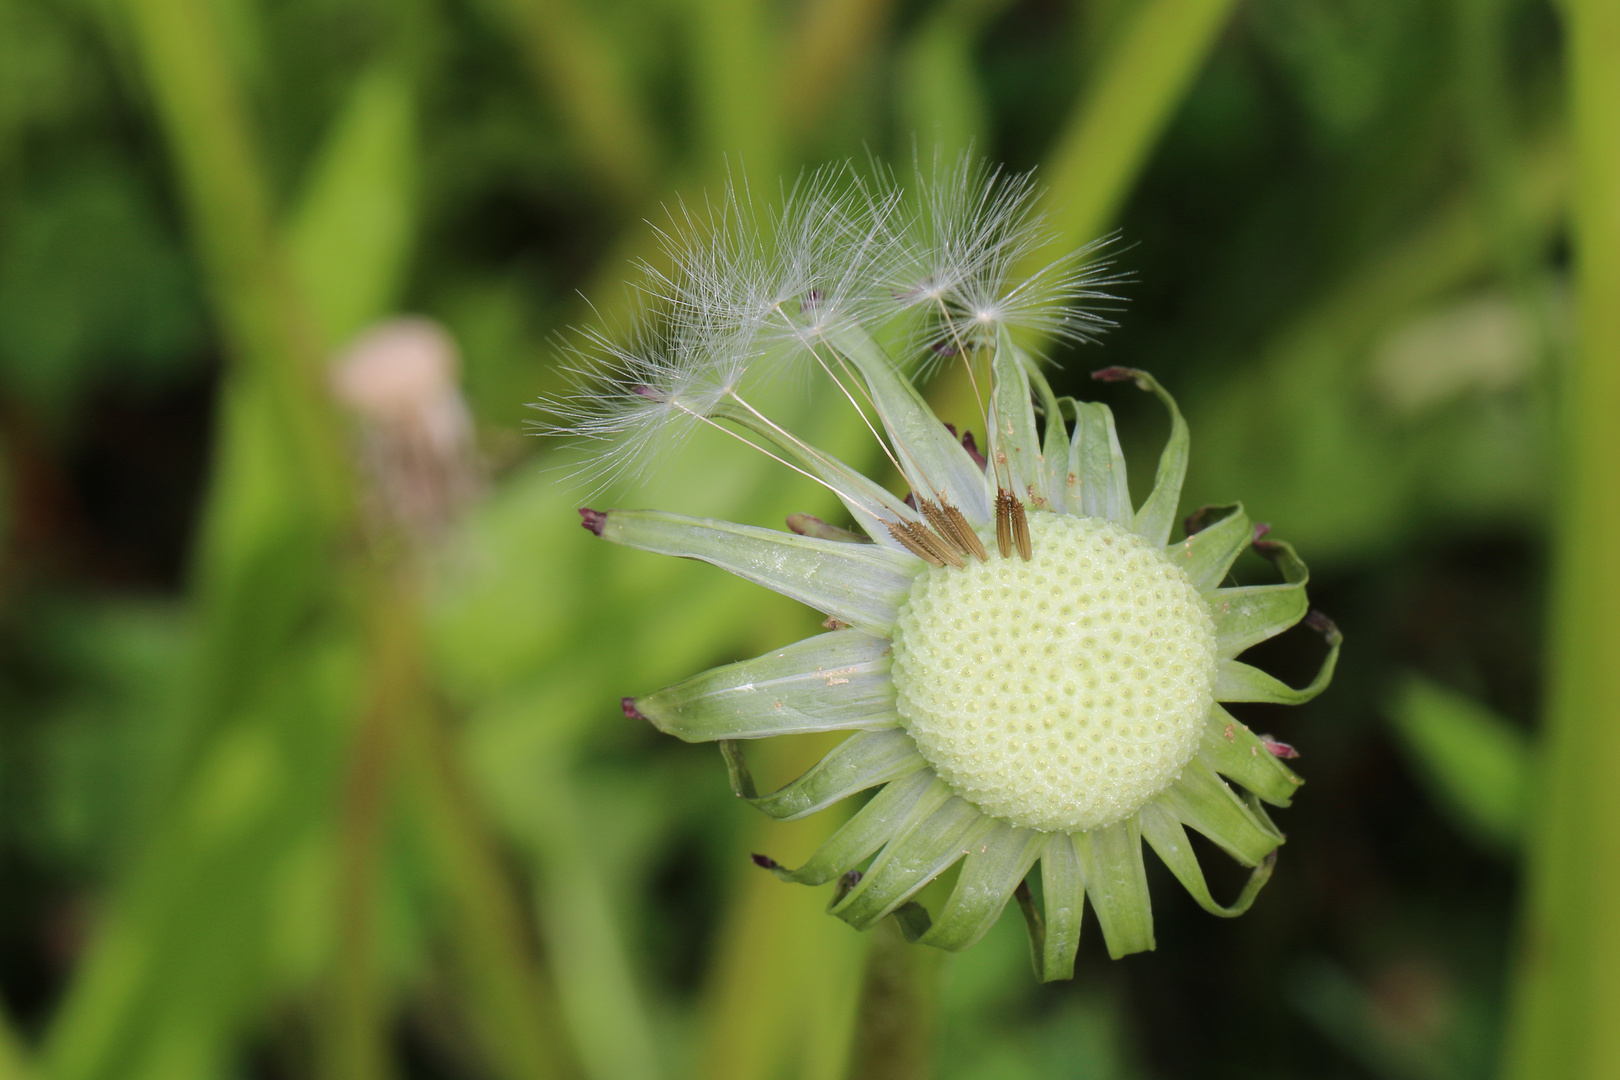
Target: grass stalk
(282,485)
(1567,993)
(354,1042)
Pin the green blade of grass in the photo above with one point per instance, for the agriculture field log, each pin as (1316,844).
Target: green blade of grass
(597,974)
(1477,764)
(1144,72)
(1296,423)
(349,239)
(832,39)
(779,996)
(509,1006)
(736,63)
(1142,77)
(180,957)
(940,99)
(14,1056)
(1567,993)
(586,81)
(282,486)
(264,319)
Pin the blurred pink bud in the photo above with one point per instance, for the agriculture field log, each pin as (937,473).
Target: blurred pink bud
(400,378)
(397,367)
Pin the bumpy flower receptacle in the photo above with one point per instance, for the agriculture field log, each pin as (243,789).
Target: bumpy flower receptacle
(1062,693)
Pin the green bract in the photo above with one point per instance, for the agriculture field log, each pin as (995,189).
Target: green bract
(1030,669)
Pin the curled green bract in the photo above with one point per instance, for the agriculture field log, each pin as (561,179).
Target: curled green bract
(1030,669)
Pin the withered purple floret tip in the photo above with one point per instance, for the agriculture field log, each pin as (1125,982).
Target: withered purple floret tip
(628,704)
(594,520)
(1114,374)
(1321,623)
(1197,521)
(973,450)
(1281,749)
(1260,530)
(764,862)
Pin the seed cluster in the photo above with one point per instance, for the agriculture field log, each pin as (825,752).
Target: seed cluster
(1064,692)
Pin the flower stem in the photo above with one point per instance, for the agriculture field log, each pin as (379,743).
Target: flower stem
(354,1041)
(894,1023)
(511,1008)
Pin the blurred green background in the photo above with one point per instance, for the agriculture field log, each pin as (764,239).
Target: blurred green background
(295,782)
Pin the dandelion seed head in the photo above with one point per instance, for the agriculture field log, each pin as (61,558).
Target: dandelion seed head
(1049,668)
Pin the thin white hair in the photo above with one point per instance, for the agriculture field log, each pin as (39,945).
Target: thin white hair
(744,293)
(969,229)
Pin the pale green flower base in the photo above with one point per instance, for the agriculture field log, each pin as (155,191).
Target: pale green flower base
(1060,693)
(1157,623)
